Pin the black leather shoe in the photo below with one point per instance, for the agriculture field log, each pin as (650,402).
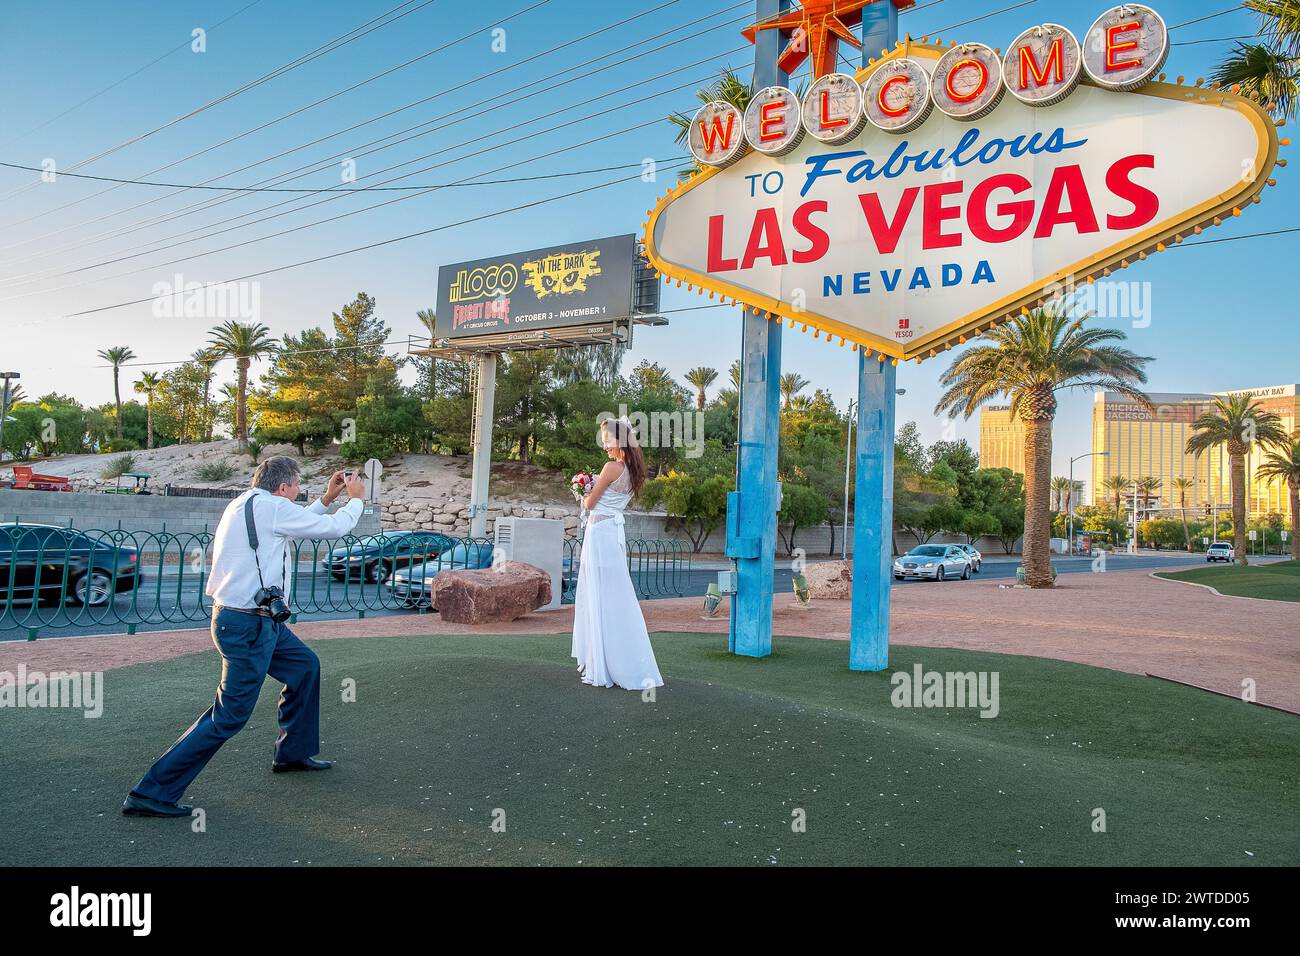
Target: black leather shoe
(306,763)
(136,805)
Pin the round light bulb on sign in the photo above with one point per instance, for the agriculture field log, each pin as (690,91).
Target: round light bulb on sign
(967,82)
(897,96)
(772,121)
(1125,47)
(832,109)
(1043,65)
(717,136)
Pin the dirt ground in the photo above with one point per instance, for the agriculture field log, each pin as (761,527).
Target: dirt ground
(1122,620)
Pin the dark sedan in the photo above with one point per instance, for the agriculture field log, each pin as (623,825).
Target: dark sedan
(54,564)
(374,558)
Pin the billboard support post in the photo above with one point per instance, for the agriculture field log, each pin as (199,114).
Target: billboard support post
(484,397)
(752,507)
(873,501)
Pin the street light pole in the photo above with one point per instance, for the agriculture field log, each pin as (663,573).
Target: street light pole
(1103,454)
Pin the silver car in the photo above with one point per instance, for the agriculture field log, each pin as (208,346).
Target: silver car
(972,555)
(933,562)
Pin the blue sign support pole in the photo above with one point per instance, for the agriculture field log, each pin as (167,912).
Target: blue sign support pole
(752,507)
(873,506)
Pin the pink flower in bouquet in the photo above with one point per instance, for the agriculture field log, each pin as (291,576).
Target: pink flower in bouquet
(581,485)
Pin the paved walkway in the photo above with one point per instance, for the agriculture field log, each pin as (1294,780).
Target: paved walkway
(1123,620)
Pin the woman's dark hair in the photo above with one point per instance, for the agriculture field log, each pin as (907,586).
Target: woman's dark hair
(624,437)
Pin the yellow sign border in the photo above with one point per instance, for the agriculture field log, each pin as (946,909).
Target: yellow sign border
(1152,240)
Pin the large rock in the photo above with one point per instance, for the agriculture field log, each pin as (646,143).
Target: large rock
(491,596)
(830,579)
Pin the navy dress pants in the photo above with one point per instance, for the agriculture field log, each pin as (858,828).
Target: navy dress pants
(251,647)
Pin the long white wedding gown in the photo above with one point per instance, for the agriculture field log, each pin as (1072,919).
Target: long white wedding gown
(610,641)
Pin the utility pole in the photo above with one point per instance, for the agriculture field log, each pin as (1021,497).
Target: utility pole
(4,406)
(1099,454)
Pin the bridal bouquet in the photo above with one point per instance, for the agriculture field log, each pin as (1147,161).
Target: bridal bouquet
(581,485)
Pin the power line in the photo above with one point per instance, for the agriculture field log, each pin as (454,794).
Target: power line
(152,63)
(1211,16)
(307,169)
(1246,36)
(337,43)
(335,189)
(464,110)
(985,16)
(1249,235)
(613,109)
(292,113)
(376,245)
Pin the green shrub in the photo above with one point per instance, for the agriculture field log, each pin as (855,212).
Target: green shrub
(121,444)
(215,471)
(366,447)
(119,466)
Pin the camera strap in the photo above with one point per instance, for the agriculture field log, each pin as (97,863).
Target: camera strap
(252,536)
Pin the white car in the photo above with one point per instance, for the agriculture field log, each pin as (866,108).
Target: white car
(1220,551)
(934,562)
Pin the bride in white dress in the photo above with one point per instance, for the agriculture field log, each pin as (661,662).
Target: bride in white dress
(610,641)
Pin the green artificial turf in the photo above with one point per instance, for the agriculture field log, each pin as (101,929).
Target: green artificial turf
(445,730)
(1276,582)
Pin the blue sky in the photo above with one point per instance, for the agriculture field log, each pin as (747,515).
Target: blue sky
(1224,315)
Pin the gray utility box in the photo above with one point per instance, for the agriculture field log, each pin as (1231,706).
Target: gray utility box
(535,541)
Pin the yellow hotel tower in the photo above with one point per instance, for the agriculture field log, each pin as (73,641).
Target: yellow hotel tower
(1143,442)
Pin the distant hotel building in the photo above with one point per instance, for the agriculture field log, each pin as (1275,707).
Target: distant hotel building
(1150,443)
(1143,442)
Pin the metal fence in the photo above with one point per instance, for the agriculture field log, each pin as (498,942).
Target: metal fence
(63,579)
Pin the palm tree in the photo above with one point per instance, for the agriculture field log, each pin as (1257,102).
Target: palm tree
(1182,486)
(16,394)
(117,356)
(149,382)
(243,343)
(701,378)
(207,359)
(1285,464)
(792,383)
(1033,356)
(1116,485)
(734,371)
(1149,490)
(1062,492)
(1270,69)
(1237,421)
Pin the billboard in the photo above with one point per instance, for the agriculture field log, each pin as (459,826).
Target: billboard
(582,283)
(953,206)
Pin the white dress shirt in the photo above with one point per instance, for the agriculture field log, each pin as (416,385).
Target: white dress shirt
(234,580)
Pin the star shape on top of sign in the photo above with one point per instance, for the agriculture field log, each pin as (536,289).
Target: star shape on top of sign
(816,27)
(944,189)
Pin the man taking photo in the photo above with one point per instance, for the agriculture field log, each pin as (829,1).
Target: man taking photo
(248,626)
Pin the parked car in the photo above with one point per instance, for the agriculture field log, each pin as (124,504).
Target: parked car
(933,561)
(1220,551)
(37,561)
(411,586)
(972,555)
(375,557)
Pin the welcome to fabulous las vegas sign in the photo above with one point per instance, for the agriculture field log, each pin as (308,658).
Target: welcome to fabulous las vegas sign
(943,189)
